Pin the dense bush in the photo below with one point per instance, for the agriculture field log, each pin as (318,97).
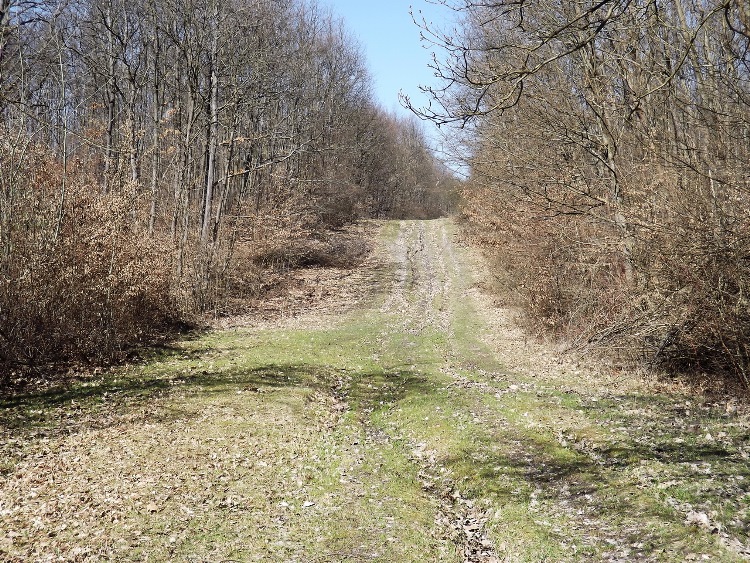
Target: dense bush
(76,281)
(161,161)
(609,176)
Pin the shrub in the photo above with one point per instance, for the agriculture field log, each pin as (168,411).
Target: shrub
(78,281)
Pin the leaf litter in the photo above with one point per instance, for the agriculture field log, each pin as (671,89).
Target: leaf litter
(210,452)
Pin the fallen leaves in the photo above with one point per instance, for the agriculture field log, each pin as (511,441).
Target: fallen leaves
(94,492)
(264,462)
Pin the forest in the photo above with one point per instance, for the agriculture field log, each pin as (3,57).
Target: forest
(246,314)
(160,160)
(608,146)
(165,160)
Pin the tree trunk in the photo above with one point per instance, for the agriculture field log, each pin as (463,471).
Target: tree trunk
(213,128)
(4,32)
(111,99)
(155,132)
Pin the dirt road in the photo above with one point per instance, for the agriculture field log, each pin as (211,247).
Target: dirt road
(403,417)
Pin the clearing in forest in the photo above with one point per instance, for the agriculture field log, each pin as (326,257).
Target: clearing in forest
(411,423)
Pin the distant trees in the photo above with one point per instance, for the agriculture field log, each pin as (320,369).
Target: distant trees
(150,151)
(609,167)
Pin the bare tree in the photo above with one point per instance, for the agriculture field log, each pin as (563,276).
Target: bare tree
(609,139)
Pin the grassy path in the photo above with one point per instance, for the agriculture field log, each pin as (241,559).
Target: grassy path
(418,427)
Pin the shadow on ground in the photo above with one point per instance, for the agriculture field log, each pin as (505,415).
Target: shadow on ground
(151,397)
(656,471)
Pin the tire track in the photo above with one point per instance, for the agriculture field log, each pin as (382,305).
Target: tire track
(421,298)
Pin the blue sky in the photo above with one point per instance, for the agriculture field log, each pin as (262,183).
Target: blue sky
(395,56)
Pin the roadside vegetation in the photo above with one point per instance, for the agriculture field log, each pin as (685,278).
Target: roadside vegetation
(606,144)
(162,161)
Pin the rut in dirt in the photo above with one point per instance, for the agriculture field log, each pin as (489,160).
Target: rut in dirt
(420,299)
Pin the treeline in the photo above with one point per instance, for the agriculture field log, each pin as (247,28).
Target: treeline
(157,158)
(609,145)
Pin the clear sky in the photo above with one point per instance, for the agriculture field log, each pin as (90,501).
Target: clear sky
(395,56)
